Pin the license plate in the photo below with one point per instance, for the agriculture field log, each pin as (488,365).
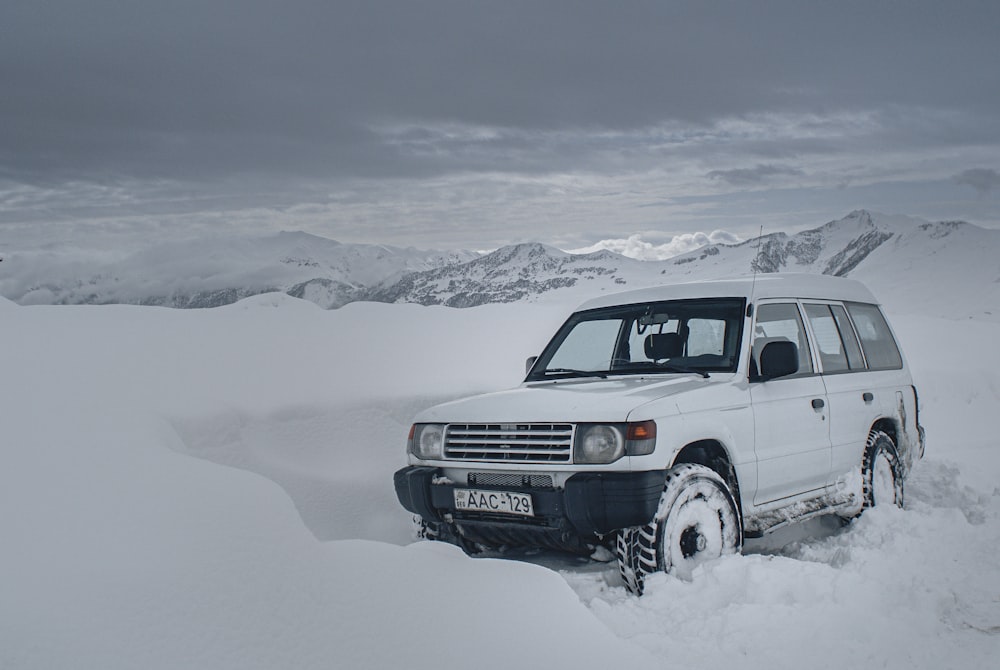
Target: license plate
(504,502)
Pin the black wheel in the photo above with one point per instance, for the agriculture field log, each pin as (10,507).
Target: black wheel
(424,530)
(697,520)
(881,472)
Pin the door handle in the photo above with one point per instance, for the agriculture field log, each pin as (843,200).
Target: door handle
(867,396)
(818,403)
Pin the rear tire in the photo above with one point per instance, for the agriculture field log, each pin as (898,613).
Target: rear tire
(696,521)
(881,472)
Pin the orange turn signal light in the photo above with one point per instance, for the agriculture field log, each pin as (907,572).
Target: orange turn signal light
(641,430)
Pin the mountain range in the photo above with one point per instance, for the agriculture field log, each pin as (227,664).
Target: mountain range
(895,255)
(209,271)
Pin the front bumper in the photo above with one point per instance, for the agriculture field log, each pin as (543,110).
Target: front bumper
(589,505)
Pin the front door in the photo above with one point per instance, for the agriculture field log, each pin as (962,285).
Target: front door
(791,416)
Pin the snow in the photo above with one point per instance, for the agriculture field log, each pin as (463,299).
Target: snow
(212,489)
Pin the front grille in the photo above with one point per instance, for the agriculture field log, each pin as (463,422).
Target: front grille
(510,442)
(512,480)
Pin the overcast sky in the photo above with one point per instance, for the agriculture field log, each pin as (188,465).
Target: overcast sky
(471,125)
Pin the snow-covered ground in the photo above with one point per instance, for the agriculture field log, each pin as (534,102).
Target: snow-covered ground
(213,489)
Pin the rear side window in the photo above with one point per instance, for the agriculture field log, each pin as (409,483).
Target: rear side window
(838,347)
(876,339)
(828,340)
(854,357)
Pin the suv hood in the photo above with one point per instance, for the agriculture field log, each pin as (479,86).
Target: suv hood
(569,401)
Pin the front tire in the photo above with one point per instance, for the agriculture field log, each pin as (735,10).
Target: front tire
(697,520)
(436,531)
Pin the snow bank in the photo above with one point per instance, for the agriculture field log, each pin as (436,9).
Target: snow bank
(120,552)
(128,555)
(123,546)
(913,589)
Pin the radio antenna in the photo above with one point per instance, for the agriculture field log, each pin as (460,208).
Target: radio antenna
(755,265)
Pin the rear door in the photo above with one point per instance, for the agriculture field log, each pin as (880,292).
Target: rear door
(886,380)
(850,389)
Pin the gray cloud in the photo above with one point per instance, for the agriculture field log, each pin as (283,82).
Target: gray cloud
(984,180)
(256,110)
(195,88)
(754,175)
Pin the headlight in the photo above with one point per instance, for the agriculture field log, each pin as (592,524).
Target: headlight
(606,443)
(427,441)
(599,444)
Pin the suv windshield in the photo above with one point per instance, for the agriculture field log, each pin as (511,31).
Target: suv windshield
(696,336)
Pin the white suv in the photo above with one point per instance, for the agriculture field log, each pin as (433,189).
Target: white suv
(667,424)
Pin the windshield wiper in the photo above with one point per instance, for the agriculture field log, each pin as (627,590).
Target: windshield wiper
(576,373)
(659,367)
(667,367)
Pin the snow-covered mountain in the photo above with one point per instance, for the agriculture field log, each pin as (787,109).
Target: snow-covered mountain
(208,272)
(835,248)
(895,255)
(510,274)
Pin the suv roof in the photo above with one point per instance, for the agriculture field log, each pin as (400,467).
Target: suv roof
(784,285)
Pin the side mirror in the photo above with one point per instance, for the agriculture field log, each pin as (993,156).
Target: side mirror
(530,363)
(778,359)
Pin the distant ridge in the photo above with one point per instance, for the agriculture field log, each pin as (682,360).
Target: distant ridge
(509,274)
(211,271)
(896,255)
(890,251)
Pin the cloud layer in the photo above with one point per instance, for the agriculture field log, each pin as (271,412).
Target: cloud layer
(981,179)
(460,123)
(639,247)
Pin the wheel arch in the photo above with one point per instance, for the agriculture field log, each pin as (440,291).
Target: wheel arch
(889,427)
(713,455)
(906,442)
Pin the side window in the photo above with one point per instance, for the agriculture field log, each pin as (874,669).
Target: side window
(781,321)
(850,341)
(828,340)
(876,339)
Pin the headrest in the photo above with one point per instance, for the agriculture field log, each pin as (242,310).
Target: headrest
(779,358)
(761,342)
(663,345)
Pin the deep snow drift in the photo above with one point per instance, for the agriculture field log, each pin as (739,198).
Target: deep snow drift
(213,489)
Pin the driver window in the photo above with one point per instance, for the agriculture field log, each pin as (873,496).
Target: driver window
(781,322)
